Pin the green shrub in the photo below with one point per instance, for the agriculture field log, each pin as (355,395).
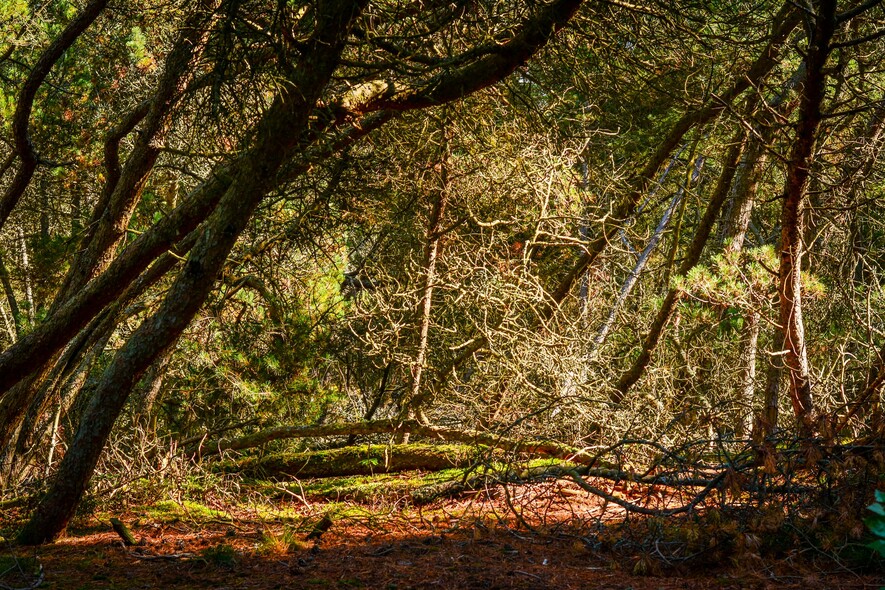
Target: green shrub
(876,523)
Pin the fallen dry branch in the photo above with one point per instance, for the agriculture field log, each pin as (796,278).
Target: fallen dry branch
(163,556)
(41,576)
(579,474)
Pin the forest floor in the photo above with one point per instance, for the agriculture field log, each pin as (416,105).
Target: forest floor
(543,535)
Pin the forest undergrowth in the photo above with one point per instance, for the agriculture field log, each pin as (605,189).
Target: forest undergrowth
(791,518)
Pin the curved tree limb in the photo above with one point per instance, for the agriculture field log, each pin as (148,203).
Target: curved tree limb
(24,148)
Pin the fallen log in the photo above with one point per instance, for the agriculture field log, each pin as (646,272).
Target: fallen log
(539,448)
(357,460)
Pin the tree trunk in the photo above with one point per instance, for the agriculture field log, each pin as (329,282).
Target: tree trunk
(360,460)
(151,386)
(766,425)
(490,439)
(791,247)
(26,276)
(734,234)
(281,129)
(743,196)
(692,256)
(12,301)
(412,404)
(646,254)
(747,395)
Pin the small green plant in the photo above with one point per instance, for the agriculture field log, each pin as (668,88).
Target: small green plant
(287,541)
(876,523)
(220,555)
(370,462)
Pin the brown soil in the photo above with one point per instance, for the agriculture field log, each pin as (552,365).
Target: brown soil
(471,542)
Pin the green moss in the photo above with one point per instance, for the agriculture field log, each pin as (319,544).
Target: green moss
(364,487)
(362,460)
(393,486)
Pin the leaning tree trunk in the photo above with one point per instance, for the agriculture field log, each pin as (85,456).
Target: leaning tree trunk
(639,267)
(692,256)
(275,140)
(121,193)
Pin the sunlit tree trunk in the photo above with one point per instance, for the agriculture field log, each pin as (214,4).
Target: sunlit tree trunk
(633,277)
(431,256)
(791,246)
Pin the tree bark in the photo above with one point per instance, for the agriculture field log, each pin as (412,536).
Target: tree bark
(749,347)
(281,130)
(791,247)
(766,425)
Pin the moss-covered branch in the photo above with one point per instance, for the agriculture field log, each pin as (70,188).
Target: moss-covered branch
(542,448)
(357,460)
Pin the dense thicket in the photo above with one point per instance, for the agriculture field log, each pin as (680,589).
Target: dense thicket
(582,222)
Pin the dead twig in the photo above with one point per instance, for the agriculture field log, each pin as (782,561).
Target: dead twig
(41,575)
